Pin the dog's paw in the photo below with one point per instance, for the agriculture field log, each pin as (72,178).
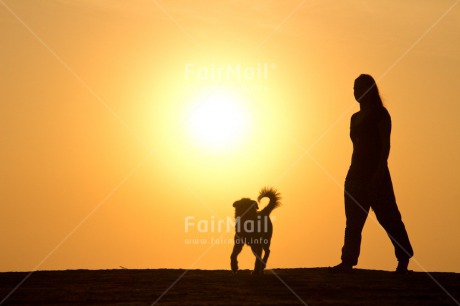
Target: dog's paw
(257,272)
(234,266)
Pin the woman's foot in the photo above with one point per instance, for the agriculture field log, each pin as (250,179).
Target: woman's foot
(341,268)
(402,267)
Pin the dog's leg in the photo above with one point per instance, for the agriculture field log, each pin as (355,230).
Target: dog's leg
(233,258)
(257,251)
(266,255)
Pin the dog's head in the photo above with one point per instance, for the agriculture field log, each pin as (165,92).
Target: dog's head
(246,208)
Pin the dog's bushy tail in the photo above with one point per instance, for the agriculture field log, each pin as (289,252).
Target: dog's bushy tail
(274,197)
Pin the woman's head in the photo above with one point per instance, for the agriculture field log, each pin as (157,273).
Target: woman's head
(366,90)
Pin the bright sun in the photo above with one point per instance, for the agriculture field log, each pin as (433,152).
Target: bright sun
(218,120)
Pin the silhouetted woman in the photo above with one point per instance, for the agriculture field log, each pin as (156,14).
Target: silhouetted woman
(368,182)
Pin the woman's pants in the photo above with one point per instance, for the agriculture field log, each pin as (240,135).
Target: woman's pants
(358,201)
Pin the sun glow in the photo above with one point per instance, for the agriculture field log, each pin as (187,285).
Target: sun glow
(218,120)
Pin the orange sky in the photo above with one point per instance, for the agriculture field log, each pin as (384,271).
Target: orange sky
(99,169)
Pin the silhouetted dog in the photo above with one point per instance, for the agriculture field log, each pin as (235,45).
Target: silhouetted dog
(254,228)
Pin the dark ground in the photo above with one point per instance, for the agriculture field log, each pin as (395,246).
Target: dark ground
(313,286)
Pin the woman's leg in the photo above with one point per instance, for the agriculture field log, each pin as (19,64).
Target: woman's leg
(356,211)
(389,217)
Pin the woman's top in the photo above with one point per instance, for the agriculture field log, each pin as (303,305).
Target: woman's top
(367,145)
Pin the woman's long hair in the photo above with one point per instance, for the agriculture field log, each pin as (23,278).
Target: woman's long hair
(371,91)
